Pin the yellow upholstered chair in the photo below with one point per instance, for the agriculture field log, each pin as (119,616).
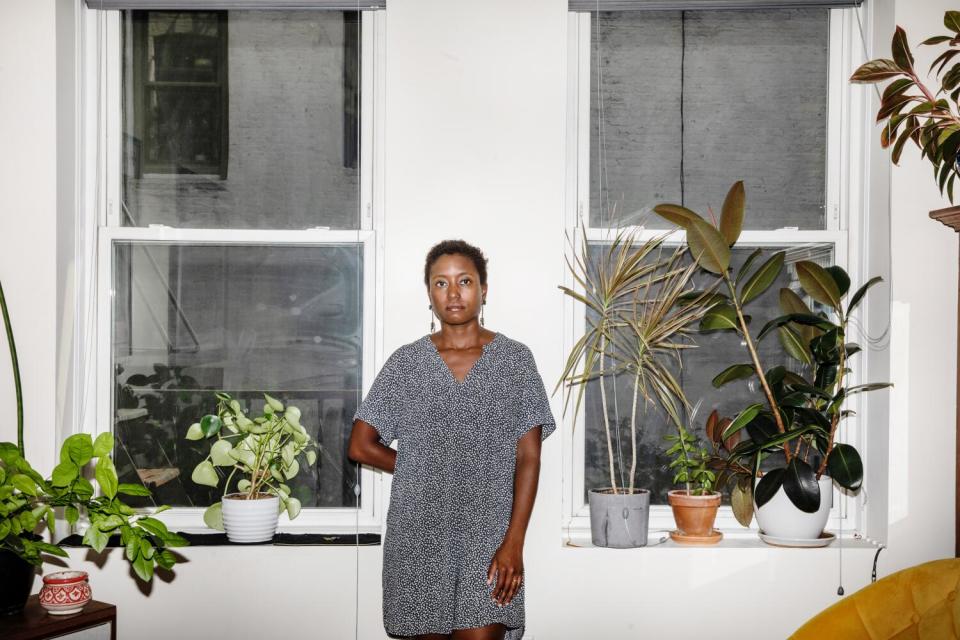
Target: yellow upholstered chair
(917,603)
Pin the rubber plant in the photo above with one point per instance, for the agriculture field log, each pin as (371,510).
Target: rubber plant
(910,110)
(264,450)
(643,317)
(27,500)
(799,416)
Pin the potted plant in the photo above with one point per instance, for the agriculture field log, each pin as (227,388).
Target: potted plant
(640,316)
(27,503)
(796,427)
(265,450)
(695,506)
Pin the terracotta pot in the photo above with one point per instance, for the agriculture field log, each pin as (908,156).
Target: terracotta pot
(65,592)
(695,516)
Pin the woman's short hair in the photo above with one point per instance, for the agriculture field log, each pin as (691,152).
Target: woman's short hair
(452,247)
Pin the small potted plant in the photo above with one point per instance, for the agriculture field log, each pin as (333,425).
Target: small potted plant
(641,314)
(695,505)
(266,451)
(795,430)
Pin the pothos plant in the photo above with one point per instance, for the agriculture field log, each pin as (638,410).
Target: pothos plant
(801,415)
(264,450)
(913,111)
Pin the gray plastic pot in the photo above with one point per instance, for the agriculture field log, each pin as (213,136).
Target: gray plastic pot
(619,521)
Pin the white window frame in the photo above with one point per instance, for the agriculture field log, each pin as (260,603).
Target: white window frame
(848,128)
(100,230)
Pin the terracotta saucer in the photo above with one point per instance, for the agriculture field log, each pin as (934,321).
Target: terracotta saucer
(710,538)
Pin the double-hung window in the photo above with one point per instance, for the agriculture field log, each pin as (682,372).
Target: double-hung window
(236,241)
(670,103)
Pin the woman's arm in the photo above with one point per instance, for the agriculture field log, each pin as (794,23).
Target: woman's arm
(365,448)
(507,563)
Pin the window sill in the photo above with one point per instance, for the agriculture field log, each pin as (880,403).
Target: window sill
(732,539)
(281,539)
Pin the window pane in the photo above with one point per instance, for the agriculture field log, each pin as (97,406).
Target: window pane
(694,101)
(189,320)
(713,354)
(241,119)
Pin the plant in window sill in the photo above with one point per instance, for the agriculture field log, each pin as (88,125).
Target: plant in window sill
(265,451)
(797,427)
(912,111)
(644,316)
(695,506)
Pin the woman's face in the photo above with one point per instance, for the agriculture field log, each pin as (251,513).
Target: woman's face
(455,290)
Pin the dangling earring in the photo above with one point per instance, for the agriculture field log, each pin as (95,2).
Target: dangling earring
(432,326)
(481,311)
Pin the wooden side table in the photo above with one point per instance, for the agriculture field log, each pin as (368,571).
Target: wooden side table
(97,621)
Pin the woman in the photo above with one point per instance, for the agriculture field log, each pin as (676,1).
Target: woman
(469,411)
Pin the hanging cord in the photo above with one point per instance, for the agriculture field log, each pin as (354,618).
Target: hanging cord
(876,556)
(360,162)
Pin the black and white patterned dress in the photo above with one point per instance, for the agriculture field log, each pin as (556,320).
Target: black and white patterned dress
(452,492)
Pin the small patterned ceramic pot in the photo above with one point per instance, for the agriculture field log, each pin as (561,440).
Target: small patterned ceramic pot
(65,592)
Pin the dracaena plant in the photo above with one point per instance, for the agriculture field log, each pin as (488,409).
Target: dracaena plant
(265,450)
(910,110)
(799,416)
(641,318)
(27,503)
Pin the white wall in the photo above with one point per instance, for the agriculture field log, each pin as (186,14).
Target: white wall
(474,144)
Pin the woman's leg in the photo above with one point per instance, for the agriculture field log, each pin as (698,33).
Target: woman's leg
(495,631)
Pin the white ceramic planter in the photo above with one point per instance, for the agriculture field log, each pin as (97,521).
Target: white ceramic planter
(619,521)
(781,519)
(250,520)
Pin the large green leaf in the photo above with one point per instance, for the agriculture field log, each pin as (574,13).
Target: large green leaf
(742,420)
(862,291)
(133,489)
(143,567)
(213,516)
(794,346)
(103,445)
(761,280)
(731,216)
(194,432)
(841,278)
(798,318)
(720,318)
(106,475)
(24,484)
(680,216)
(64,473)
(951,20)
(708,247)
(275,404)
(205,474)
(801,486)
(78,448)
(845,466)
(210,425)
(768,486)
(733,372)
(293,508)
(95,539)
(818,283)
(220,453)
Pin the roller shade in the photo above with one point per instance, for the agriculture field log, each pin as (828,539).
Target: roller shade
(219,5)
(694,5)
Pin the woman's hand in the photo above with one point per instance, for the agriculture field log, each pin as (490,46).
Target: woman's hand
(507,568)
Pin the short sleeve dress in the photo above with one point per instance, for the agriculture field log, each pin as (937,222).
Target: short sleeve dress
(452,492)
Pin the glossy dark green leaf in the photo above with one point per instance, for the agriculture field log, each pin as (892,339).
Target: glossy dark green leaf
(901,50)
(794,346)
(818,283)
(742,420)
(841,278)
(708,247)
(210,425)
(764,276)
(799,318)
(106,475)
(731,216)
(720,318)
(862,291)
(733,372)
(845,466)
(64,473)
(756,253)
(78,448)
(768,486)
(951,20)
(801,486)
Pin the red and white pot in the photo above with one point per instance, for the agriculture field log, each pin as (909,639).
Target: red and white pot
(65,592)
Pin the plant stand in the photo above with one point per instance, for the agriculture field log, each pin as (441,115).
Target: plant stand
(951,217)
(98,620)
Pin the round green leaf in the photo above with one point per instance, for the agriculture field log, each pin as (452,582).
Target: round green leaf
(78,449)
(64,473)
(293,508)
(205,474)
(103,445)
(220,453)
(275,404)
(194,432)
(213,516)
(243,485)
(243,456)
(291,470)
(210,425)
(845,466)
